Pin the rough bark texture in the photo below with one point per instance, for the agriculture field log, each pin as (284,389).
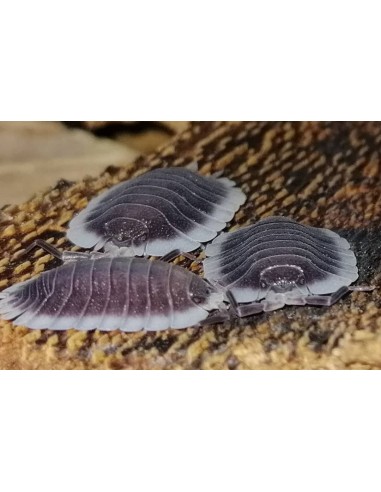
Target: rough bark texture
(321,174)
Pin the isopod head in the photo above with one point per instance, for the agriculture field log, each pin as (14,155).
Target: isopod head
(127,233)
(282,278)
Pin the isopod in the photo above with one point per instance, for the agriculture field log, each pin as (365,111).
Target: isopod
(163,210)
(110,293)
(278,261)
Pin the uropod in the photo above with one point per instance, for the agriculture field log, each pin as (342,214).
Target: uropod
(162,211)
(110,293)
(278,261)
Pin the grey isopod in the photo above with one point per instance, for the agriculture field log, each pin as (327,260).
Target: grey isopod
(156,213)
(278,261)
(110,293)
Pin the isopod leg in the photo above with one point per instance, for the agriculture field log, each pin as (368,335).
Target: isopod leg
(171,255)
(249,309)
(175,253)
(65,255)
(40,243)
(296,301)
(327,300)
(77,255)
(362,288)
(242,310)
(217,317)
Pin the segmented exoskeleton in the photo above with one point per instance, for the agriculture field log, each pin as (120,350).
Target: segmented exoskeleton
(277,261)
(163,210)
(109,293)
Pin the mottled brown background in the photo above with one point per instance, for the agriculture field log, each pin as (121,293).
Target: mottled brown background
(323,174)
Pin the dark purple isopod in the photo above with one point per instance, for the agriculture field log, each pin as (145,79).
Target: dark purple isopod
(278,261)
(158,212)
(111,293)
